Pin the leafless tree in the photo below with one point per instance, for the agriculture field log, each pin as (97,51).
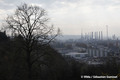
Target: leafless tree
(31,23)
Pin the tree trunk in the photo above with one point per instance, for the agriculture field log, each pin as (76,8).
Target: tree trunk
(29,65)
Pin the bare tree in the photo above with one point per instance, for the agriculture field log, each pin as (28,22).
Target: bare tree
(31,23)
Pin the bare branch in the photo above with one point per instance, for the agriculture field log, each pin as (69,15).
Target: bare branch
(31,23)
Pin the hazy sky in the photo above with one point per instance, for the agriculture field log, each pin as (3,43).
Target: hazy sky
(73,15)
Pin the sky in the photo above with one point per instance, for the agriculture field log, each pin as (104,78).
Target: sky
(74,16)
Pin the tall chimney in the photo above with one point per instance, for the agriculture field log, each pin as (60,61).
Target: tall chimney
(107,31)
(101,35)
(92,35)
(97,35)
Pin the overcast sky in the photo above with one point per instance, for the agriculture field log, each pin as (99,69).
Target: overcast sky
(73,15)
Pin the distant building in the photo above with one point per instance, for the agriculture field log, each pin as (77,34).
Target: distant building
(76,55)
(97,52)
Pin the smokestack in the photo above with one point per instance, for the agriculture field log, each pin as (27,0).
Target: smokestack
(97,35)
(101,35)
(88,36)
(81,34)
(92,35)
(107,31)
(85,36)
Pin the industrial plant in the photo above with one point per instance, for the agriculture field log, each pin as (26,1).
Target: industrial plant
(91,48)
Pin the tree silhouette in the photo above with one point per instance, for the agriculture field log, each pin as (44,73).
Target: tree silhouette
(31,23)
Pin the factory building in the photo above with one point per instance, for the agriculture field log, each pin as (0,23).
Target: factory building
(92,36)
(76,55)
(97,52)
